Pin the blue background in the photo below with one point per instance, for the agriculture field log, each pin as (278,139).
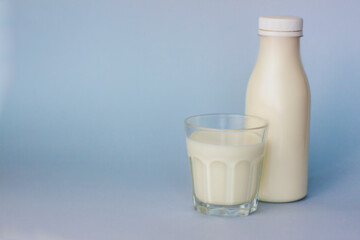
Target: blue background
(91,130)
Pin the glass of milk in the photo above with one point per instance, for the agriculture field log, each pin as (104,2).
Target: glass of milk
(226,153)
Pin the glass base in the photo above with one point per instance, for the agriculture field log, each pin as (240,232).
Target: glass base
(223,210)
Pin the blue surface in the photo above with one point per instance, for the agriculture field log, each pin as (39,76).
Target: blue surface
(91,131)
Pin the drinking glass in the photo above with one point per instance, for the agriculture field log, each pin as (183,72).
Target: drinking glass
(226,153)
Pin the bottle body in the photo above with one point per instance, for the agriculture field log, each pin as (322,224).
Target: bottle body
(278,91)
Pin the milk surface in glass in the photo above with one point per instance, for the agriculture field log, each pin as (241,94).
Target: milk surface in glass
(225,166)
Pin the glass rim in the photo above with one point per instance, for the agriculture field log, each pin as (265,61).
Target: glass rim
(244,116)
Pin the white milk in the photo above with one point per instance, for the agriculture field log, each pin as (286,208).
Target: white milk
(278,91)
(225,166)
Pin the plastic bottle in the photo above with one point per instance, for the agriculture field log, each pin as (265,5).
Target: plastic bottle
(278,91)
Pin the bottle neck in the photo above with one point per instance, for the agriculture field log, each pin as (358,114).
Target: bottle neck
(279,49)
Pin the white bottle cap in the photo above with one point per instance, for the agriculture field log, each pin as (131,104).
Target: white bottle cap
(281,26)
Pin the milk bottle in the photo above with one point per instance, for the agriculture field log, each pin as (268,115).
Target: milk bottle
(278,91)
